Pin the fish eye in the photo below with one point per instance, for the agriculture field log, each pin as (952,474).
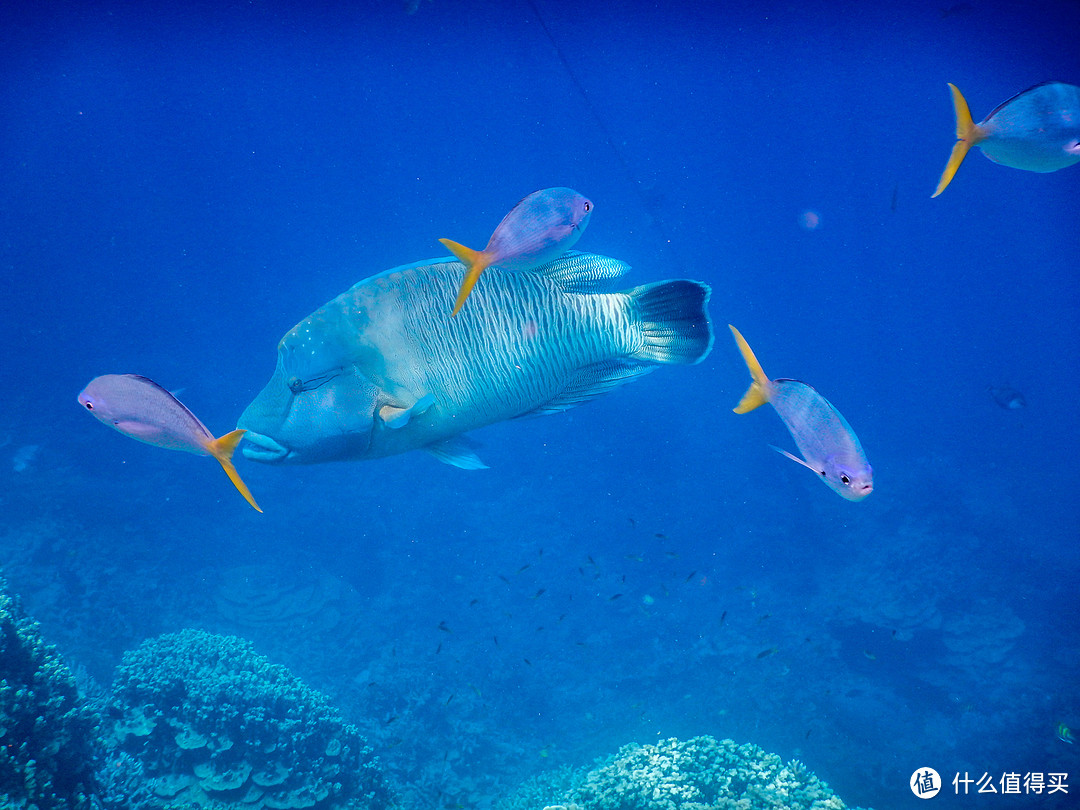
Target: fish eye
(296,385)
(845,479)
(89,406)
(588,206)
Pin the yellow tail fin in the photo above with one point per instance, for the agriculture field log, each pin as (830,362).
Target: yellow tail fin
(222,449)
(475,262)
(758,392)
(968,133)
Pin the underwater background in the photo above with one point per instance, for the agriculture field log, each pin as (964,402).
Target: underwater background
(182,185)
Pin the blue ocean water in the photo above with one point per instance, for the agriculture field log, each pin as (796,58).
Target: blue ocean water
(182,186)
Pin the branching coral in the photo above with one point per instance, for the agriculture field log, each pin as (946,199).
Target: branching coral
(541,790)
(213,721)
(47,737)
(700,774)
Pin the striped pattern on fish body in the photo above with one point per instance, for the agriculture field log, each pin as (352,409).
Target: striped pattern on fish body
(511,351)
(516,349)
(529,343)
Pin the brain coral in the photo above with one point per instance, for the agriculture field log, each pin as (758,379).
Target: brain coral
(700,774)
(213,722)
(47,737)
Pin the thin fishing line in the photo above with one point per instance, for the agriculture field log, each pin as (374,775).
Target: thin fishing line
(654,218)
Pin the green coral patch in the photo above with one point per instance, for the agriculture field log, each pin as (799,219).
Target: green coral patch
(136,723)
(701,773)
(49,736)
(309,796)
(271,777)
(169,785)
(234,723)
(189,740)
(227,780)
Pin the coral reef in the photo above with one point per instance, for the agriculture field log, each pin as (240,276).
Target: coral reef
(212,721)
(47,736)
(430,732)
(537,792)
(702,773)
(983,636)
(265,597)
(903,605)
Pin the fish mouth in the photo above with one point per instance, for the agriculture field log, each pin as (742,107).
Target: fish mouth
(858,492)
(258,447)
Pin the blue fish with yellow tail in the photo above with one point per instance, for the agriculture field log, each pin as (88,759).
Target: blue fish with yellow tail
(140,408)
(384,368)
(828,444)
(539,229)
(1037,130)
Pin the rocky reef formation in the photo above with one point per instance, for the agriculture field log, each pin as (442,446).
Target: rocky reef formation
(47,735)
(280,599)
(214,723)
(701,773)
(982,638)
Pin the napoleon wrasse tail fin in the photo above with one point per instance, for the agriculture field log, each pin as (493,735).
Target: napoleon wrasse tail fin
(968,133)
(758,392)
(674,321)
(475,262)
(222,449)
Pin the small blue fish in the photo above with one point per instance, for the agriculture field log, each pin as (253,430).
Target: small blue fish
(829,446)
(1037,130)
(1065,734)
(538,230)
(140,408)
(24,457)
(1007,397)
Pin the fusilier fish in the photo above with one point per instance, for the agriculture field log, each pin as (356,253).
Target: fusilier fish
(383,368)
(538,230)
(1037,130)
(828,444)
(140,408)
